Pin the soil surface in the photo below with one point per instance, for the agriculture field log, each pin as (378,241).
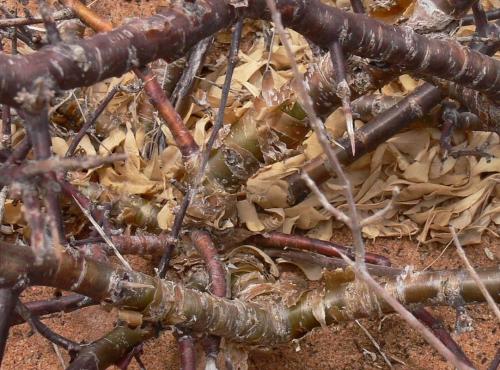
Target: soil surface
(343,346)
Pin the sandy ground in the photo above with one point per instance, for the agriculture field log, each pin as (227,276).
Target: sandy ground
(343,346)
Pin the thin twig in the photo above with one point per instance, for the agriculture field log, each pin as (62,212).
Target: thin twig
(337,213)
(59,355)
(324,141)
(408,317)
(474,275)
(44,330)
(375,344)
(11,173)
(205,154)
(91,121)
(343,91)
(380,214)
(53,35)
(25,21)
(440,332)
(103,235)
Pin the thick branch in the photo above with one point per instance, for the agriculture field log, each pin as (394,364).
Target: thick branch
(181,26)
(248,322)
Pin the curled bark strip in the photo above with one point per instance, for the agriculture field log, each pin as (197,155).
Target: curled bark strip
(171,303)
(276,239)
(182,25)
(329,262)
(441,333)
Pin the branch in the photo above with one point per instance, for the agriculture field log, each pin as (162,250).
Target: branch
(135,44)
(67,303)
(26,21)
(248,322)
(13,173)
(182,136)
(463,256)
(276,239)
(111,348)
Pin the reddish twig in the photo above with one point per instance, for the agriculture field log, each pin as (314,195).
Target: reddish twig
(219,121)
(441,333)
(187,352)
(182,136)
(276,239)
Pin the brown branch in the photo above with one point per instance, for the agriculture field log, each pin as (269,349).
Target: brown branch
(111,348)
(441,333)
(26,21)
(392,300)
(89,122)
(205,154)
(12,173)
(182,136)
(135,44)
(491,15)
(45,331)
(376,131)
(276,239)
(7,305)
(67,303)
(248,322)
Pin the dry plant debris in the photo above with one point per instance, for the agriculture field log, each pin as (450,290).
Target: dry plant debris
(200,155)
